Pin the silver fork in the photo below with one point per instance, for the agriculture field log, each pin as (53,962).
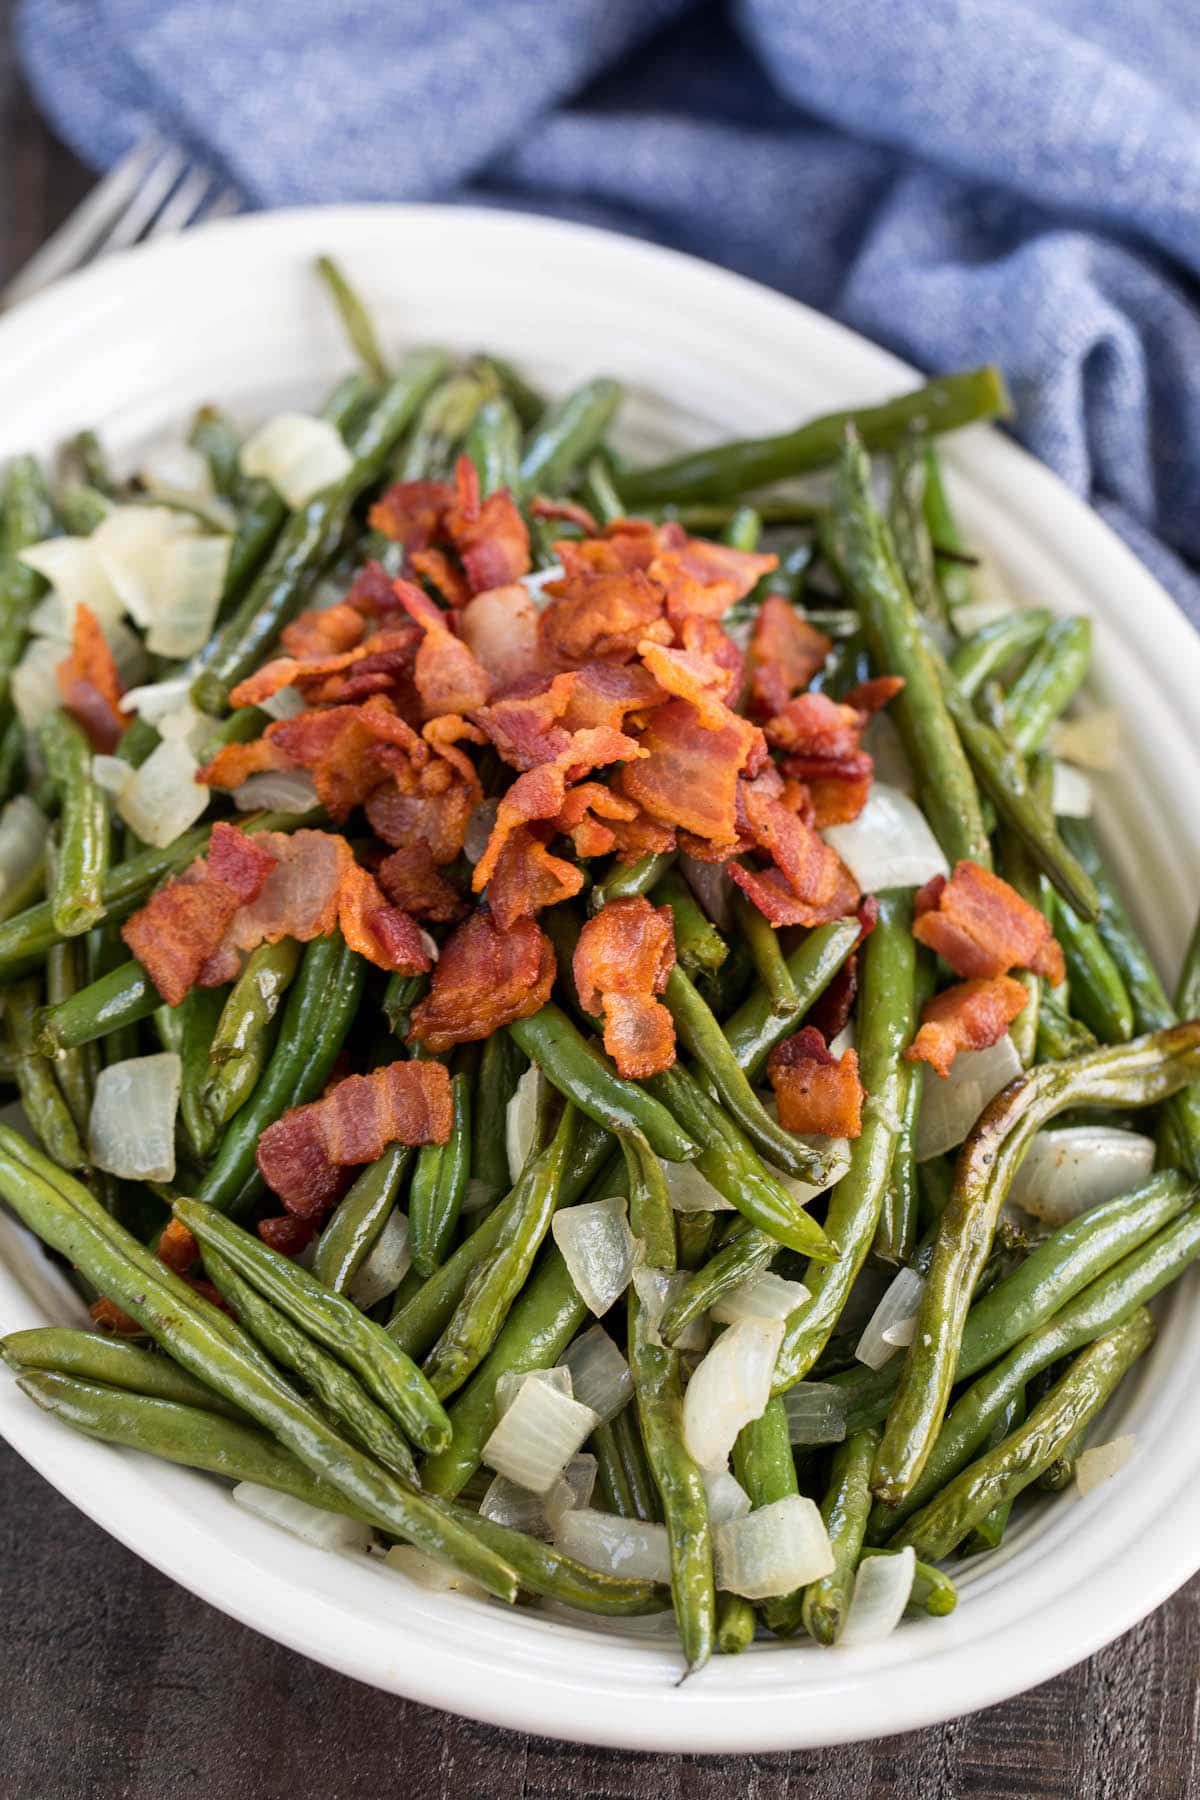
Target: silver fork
(155,190)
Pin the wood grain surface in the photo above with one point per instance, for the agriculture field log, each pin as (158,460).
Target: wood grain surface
(115,1684)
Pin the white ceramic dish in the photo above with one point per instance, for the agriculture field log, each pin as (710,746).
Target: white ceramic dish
(231,312)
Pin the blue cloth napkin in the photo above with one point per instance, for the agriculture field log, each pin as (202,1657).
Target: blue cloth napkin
(962,180)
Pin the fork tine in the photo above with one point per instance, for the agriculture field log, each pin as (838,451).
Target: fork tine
(184,203)
(72,244)
(147,201)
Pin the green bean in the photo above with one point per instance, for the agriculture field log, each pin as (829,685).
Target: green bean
(348,1236)
(739,1258)
(528,403)
(650,1217)
(989,1533)
(755,1028)
(279,591)
(611,1478)
(886,1026)
(643,1494)
(198,1015)
(736,1623)
(1187,994)
(952,563)
(120,998)
(583,1074)
(1049,681)
(600,495)
(981,656)
(245,1032)
(338,1392)
(694,1233)
(845,1508)
(494,445)
(735,468)
(75,1070)
(499,1071)
(41,1097)
(399,997)
(81,508)
(699,946)
(320,1009)
(933,1592)
(388,1375)
(626,880)
(945,783)
(763,1463)
(443,423)
(566,434)
(659,1397)
(76,902)
(211,1347)
(95,1356)
(28,517)
(1098,996)
(896,1233)
(1002,1473)
(356,320)
(12,755)
(213,435)
(1136,1074)
(433,1210)
(1053,1479)
(1058,1034)
(910,533)
(767,955)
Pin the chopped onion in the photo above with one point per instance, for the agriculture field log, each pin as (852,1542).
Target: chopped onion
(773,1550)
(885,746)
(575,1490)
(691,1191)
(729,1389)
(428,1572)
(1103,1461)
(535,582)
(866,1291)
(186,724)
(480,826)
(507,1504)
(600,1376)
(23,832)
(521,1117)
(385,1265)
(299,455)
(158,699)
(627,1547)
(132,1128)
(164,797)
(509,1386)
(816,1413)
(179,469)
(1067,1172)
(1093,741)
(188,582)
(882,1588)
(77,575)
(537,1436)
(35,690)
(836,1152)
(278,790)
(950,1108)
(326,1530)
(727,1498)
(1072,794)
(892,1324)
(713,888)
(764,1296)
(128,545)
(284,703)
(656,1289)
(889,844)
(598,1248)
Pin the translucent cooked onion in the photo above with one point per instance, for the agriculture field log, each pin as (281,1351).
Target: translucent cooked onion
(882,1588)
(774,1550)
(284,703)
(76,574)
(656,1289)
(890,843)
(178,469)
(276,790)
(975,614)
(574,1491)
(1068,1171)
(600,1376)
(509,1386)
(128,544)
(1093,740)
(385,1265)
(298,454)
(325,1530)
(164,798)
(764,1296)
(891,1325)
(1072,794)
(158,699)
(188,582)
(713,888)
(1100,1463)
(598,1248)
(950,1108)
(132,1126)
(836,1152)
(730,1388)
(23,832)
(35,690)
(727,1498)
(480,826)
(691,1191)
(816,1413)
(520,1119)
(627,1547)
(507,1504)
(538,1435)
(427,1572)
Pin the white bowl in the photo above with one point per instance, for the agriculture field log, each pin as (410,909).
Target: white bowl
(233,313)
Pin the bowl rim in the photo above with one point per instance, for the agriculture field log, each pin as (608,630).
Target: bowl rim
(612,1691)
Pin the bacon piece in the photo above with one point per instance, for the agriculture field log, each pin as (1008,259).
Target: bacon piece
(282,672)
(607,693)
(971,1015)
(690,772)
(500,628)
(328,631)
(830,1012)
(435,567)
(539,794)
(177,1247)
(778,901)
(623,545)
(785,653)
(339,750)
(491,537)
(872,696)
(982,926)
(410,879)
(410,512)
(383,934)
(182,925)
(110,1317)
(690,675)
(823,738)
(641,836)
(570,511)
(386,666)
(287,1234)
(816,874)
(816,1091)
(448,678)
(602,615)
(370,593)
(235,763)
(699,577)
(525,726)
(483,980)
(301,1156)
(583,812)
(89,683)
(623,958)
(432,791)
(526,878)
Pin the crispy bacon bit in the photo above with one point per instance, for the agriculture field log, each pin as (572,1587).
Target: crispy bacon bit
(607,693)
(570,511)
(872,696)
(410,513)
(971,1015)
(181,926)
(588,815)
(816,1091)
(386,936)
(623,958)
(602,615)
(283,671)
(287,1234)
(491,538)
(830,1012)
(89,683)
(500,628)
(327,632)
(701,577)
(823,740)
(302,1155)
(785,653)
(540,793)
(527,878)
(411,881)
(821,887)
(525,726)
(370,593)
(435,567)
(868,916)
(484,979)
(177,1247)
(690,675)
(109,1317)
(448,678)
(339,750)
(982,926)
(689,776)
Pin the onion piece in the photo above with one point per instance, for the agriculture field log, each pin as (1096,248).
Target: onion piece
(131,1131)
(713,888)
(35,690)
(816,1413)
(427,1572)
(158,699)
(179,468)
(950,1108)
(729,1389)
(164,797)
(691,1191)
(385,1265)
(1071,797)
(538,1435)
(1068,1171)
(890,843)
(509,1386)
(656,1289)
(535,582)
(276,790)
(575,1489)
(628,1547)
(76,574)
(764,1296)
(1101,1462)
(727,1498)
(973,615)
(773,1550)
(24,829)
(600,1376)
(521,1117)
(598,1248)
(128,545)
(882,1588)
(317,1526)
(1093,740)
(836,1152)
(298,454)
(188,582)
(893,1323)
(507,1504)
(285,703)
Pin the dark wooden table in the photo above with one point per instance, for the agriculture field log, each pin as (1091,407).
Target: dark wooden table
(116,1683)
